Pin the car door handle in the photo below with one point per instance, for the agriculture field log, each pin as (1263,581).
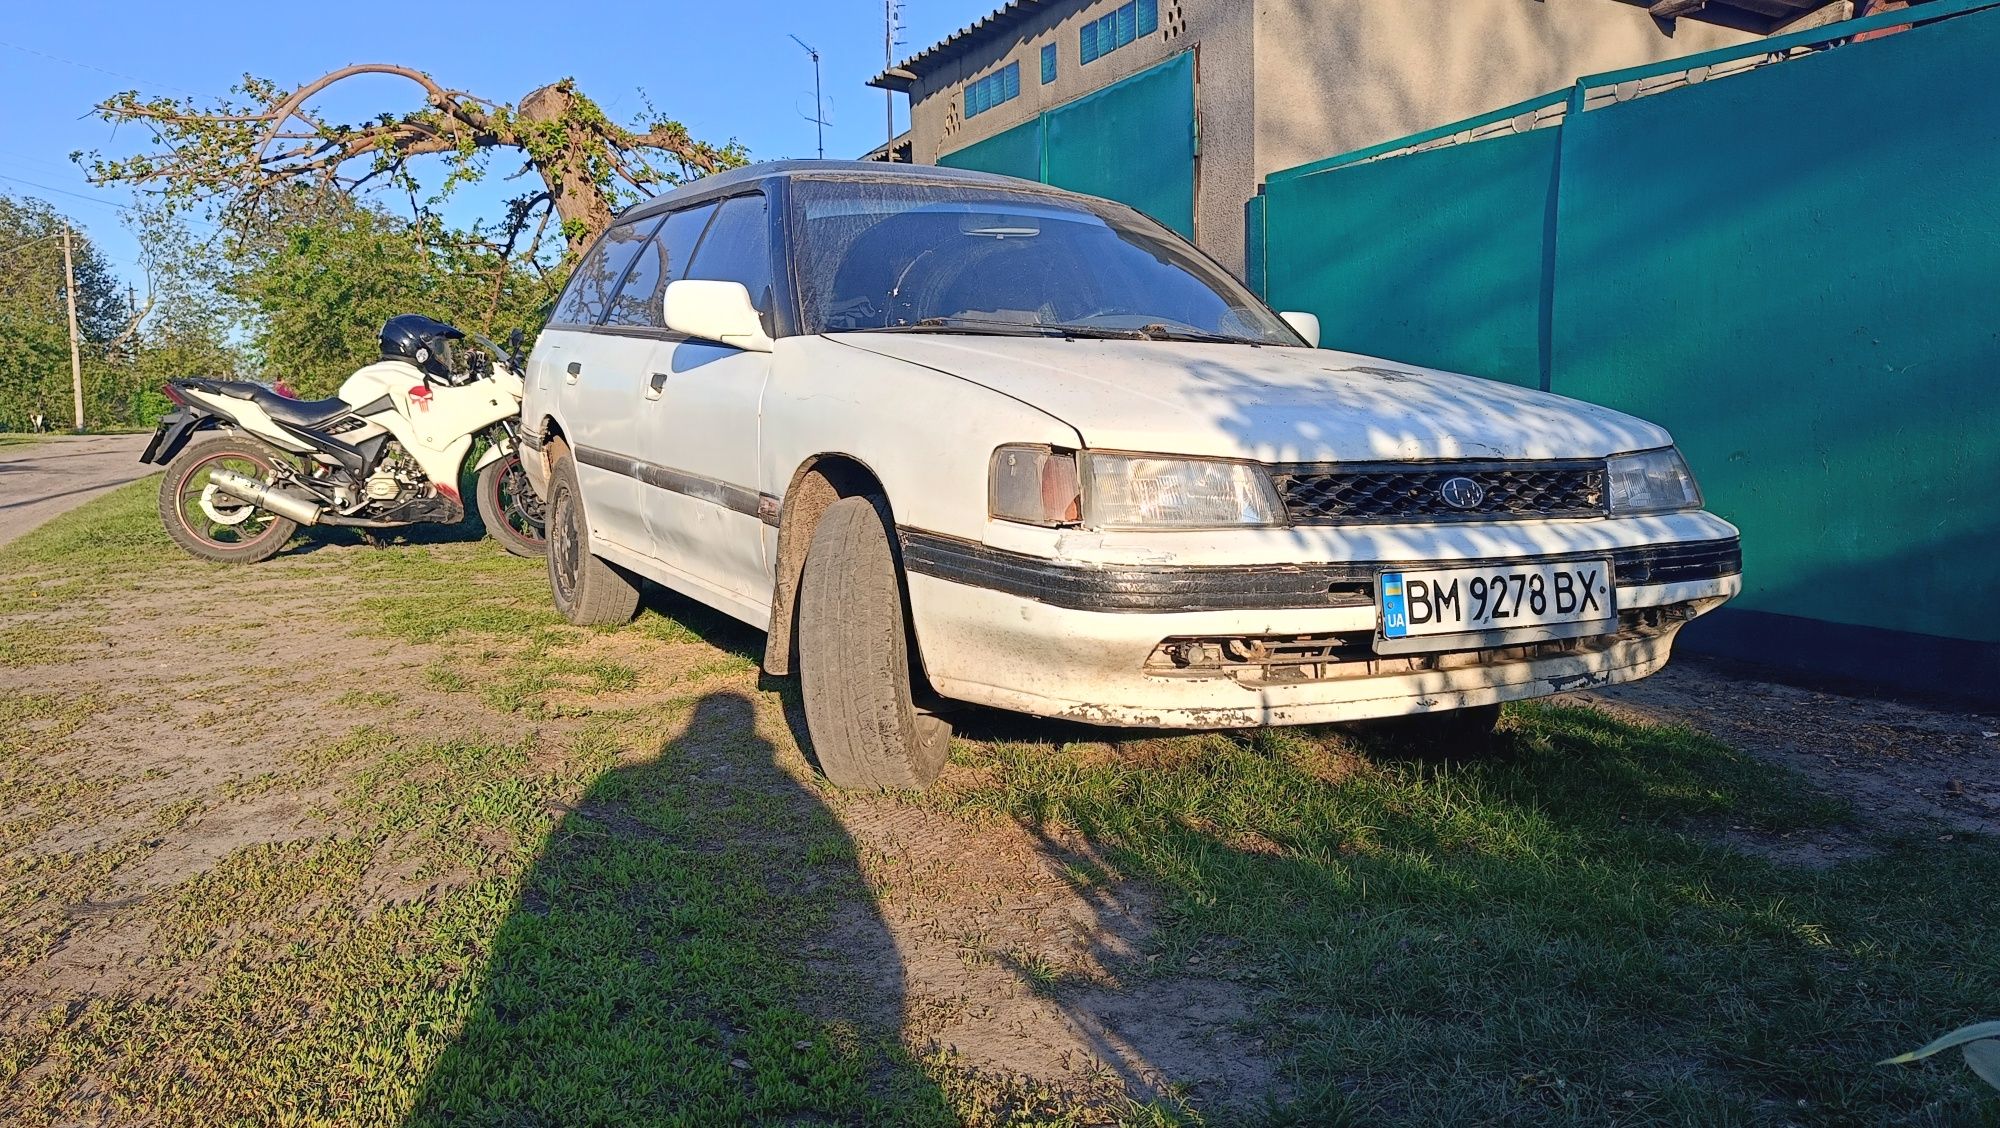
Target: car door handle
(656,385)
(575,369)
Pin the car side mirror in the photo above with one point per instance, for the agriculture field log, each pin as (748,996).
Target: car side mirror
(1307,325)
(716,311)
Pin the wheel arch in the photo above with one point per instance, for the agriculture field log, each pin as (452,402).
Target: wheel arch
(538,439)
(818,482)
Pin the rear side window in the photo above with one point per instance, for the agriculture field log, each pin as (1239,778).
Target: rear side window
(662,261)
(737,248)
(597,276)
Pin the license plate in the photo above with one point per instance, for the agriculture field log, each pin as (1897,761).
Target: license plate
(1450,601)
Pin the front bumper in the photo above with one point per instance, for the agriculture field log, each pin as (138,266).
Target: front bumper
(1079,640)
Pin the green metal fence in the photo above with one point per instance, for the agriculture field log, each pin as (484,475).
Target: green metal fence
(1133,141)
(1795,268)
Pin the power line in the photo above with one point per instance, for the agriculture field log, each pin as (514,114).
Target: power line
(29,243)
(67,192)
(104,70)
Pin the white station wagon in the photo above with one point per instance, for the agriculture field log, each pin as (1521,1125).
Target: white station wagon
(952,437)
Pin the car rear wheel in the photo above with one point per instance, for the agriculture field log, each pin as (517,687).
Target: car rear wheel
(854,658)
(588,590)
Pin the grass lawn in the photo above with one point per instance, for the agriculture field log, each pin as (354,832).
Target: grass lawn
(464,864)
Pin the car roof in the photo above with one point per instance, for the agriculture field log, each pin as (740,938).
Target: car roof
(736,179)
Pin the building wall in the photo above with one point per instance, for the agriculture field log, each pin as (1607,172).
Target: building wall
(1338,75)
(1221,32)
(1282,82)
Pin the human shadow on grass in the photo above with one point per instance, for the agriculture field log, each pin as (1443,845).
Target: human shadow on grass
(669,958)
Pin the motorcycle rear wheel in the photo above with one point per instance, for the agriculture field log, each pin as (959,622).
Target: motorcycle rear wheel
(509,509)
(224,530)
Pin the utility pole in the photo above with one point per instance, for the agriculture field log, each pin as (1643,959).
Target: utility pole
(819,105)
(889,61)
(75,355)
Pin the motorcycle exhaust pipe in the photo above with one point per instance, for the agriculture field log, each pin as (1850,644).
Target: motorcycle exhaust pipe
(286,505)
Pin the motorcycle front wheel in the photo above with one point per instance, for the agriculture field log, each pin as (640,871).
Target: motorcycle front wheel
(509,509)
(211,524)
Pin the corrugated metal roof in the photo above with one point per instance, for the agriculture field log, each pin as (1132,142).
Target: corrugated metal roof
(900,76)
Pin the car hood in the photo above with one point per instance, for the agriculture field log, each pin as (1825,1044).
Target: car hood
(1270,404)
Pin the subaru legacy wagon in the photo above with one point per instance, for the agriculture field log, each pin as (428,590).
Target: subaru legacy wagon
(953,437)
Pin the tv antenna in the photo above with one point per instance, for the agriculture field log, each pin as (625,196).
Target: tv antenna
(819,103)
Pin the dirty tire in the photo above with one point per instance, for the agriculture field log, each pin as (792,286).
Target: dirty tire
(1463,734)
(513,516)
(854,658)
(588,591)
(259,536)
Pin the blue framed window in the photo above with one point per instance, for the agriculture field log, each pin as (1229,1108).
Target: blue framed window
(998,88)
(1117,28)
(1048,64)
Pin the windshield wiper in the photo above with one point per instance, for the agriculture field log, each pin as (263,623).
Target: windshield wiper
(1158,332)
(973,326)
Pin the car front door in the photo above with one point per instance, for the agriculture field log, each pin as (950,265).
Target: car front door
(700,422)
(599,372)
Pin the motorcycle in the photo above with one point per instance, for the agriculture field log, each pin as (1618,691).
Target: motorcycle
(247,464)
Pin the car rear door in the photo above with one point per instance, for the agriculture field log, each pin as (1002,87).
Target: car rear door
(598,373)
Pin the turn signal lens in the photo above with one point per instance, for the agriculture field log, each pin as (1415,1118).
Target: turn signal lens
(1035,485)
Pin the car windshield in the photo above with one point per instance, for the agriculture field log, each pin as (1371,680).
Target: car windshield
(883,255)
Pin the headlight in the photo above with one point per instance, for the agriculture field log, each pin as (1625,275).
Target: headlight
(1653,481)
(1133,491)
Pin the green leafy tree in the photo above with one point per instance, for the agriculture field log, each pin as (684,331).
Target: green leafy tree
(249,154)
(34,320)
(310,254)
(319,290)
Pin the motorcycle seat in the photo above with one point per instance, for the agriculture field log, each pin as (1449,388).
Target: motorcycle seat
(298,413)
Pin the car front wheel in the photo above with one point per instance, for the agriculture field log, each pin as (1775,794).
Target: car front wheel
(854,658)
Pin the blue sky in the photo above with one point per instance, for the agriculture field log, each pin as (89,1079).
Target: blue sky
(726,69)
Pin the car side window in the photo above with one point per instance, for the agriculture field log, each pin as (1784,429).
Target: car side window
(663,260)
(737,248)
(598,275)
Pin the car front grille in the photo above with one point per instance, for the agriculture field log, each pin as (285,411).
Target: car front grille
(1353,493)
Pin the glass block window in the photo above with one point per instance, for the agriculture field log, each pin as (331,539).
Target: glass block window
(998,88)
(1117,28)
(1048,64)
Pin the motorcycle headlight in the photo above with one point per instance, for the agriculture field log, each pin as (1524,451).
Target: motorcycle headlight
(1652,481)
(1137,491)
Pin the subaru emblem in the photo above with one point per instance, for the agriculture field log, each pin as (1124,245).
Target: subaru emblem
(1462,493)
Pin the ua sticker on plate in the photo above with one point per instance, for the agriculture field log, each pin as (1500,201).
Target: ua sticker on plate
(1395,613)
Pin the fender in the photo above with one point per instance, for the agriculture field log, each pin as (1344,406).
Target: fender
(175,427)
(499,450)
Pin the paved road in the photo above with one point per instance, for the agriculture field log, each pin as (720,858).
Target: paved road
(39,480)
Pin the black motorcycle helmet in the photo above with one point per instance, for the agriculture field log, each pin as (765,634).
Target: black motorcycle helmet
(421,341)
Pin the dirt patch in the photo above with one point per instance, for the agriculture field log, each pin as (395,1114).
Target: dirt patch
(209,721)
(1905,767)
(1023,954)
